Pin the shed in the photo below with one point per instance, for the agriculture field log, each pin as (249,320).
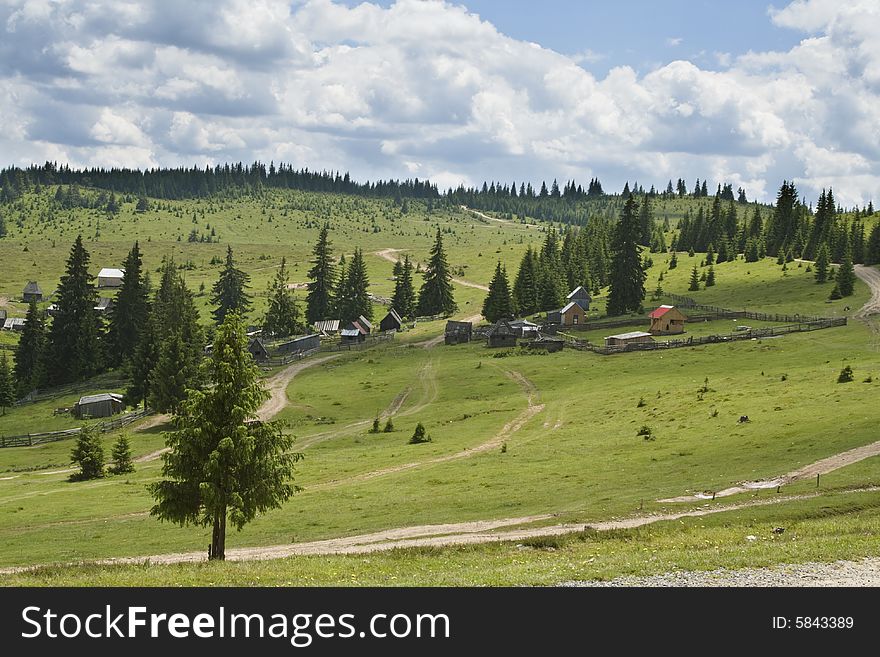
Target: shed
(458,332)
(32,292)
(258,350)
(667,320)
(365,324)
(104,404)
(327,327)
(624,339)
(391,322)
(524,328)
(14,323)
(300,344)
(552,345)
(109,277)
(501,335)
(104,304)
(581,297)
(353,334)
(571,315)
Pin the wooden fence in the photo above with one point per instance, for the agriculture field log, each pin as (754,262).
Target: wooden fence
(286,359)
(31,439)
(62,391)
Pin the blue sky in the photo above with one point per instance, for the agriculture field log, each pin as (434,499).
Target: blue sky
(732,92)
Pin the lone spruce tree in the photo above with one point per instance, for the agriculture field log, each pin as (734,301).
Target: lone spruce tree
(498,303)
(88,455)
(322,276)
(404,299)
(627,270)
(436,297)
(283,317)
(122,462)
(230,291)
(128,314)
(695,280)
(224,463)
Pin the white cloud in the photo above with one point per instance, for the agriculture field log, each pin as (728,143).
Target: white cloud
(426,88)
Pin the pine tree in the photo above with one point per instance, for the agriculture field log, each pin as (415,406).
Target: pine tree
(710,276)
(353,299)
(121,455)
(322,275)
(403,300)
(846,276)
(498,303)
(222,464)
(74,350)
(627,270)
(710,255)
(821,265)
(673,261)
(695,280)
(144,361)
(282,318)
(88,455)
(230,291)
(872,248)
(525,287)
(7,385)
(29,359)
(436,296)
(128,314)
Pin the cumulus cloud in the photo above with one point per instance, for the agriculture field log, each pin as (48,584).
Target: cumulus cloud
(425,88)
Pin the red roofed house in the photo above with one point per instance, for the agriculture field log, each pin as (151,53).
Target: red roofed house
(667,320)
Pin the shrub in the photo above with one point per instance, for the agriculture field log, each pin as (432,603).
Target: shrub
(846,375)
(419,435)
(641,402)
(88,455)
(646,432)
(389,426)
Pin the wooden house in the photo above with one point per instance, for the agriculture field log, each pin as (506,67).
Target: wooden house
(581,297)
(32,292)
(109,277)
(501,335)
(624,339)
(458,332)
(391,322)
(571,315)
(104,404)
(667,320)
(258,350)
(300,344)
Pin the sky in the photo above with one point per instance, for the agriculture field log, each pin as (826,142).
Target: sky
(745,93)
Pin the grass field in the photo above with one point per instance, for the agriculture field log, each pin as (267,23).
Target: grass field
(513,434)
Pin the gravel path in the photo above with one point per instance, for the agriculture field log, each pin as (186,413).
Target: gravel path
(838,573)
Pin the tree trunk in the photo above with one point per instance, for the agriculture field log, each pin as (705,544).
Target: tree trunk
(217,549)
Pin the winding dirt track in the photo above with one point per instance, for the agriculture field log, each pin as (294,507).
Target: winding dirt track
(870,276)
(389,255)
(277,386)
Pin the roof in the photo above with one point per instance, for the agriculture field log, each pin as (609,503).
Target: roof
(522,323)
(103,303)
(629,336)
(327,325)
(109,272)
(359,327)
(579,292)
(350,333)
(501,327)
(103,396)
(32,288)
(453,326)
(659,312)
(569,307)
(10,322)
(363,321)
(393,313)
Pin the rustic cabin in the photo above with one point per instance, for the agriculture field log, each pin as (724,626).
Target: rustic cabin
(103,404)
(327,327)
(109,277)
(570,315)
(32,292)
(581,297)
(501,335)
(258,350)
(458,332)
(625,339)
(667,320)
(354,334)
(300,345)
(391,322)
(524,328)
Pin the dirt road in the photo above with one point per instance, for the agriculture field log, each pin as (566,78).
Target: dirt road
(390,256)
(870,276)
(277,386)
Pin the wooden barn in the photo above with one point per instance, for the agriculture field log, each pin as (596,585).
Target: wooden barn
(572,315)
(458,332)
(667,320)
(258,350)
(32,292)
(581,297)
(109,277)
(501,335)
(391,322)
(104,404)
(624,339)
(301,344)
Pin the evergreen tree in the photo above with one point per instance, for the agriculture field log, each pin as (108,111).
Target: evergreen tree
(121,455)
(673,261)
(525,287)
(29,359)
(404,297)
(436,296)
(821,265)
(710,255)
(7,385)
(627,270)
(354,299)
(646,221)
(88,455)
(695,280)
(222,464)
(282,317)
(872,248)
(74,350)
(710,277)
(498,303)
(319,301)
(230,291)
(128,314)
(846,275)
(146,356)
